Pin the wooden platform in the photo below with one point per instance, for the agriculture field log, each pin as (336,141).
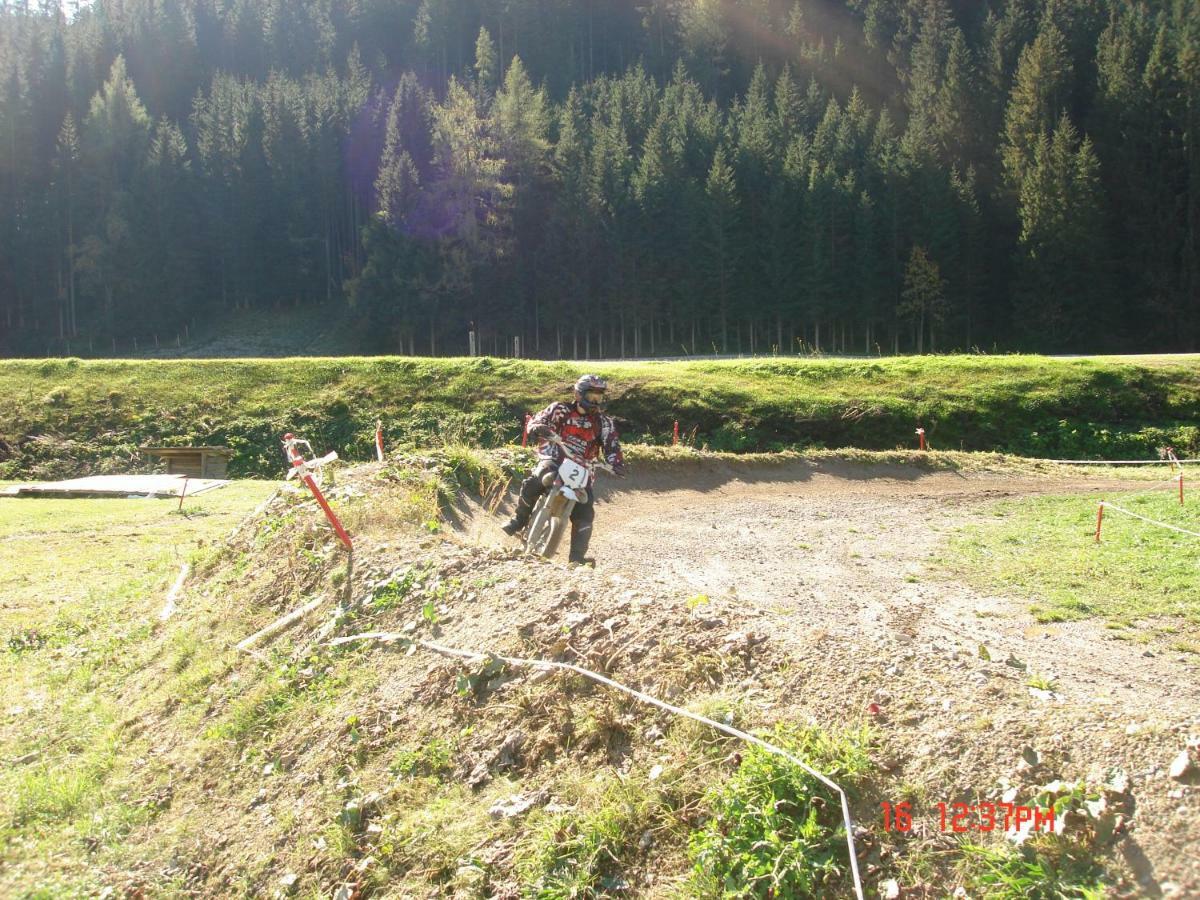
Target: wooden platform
(115,486)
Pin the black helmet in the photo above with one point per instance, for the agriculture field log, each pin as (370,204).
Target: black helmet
(590,384)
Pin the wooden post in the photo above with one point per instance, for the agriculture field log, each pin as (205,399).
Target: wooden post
(1099,520)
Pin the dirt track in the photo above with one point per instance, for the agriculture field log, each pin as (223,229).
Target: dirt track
(833,562)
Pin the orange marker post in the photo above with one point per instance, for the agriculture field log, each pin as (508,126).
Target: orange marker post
(379,439)
(675,437)
(525,430)
(1099,520)
(921,438)
(297,461)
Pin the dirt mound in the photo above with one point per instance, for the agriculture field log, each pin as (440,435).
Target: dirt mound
(784,592)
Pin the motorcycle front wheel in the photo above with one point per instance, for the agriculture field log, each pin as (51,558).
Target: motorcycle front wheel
(548,524)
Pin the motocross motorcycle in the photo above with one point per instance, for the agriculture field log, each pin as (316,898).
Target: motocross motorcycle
(552,514)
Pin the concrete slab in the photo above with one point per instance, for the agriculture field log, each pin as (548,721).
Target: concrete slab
(116,486)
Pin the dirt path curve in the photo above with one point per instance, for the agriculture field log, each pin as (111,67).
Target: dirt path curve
(835,563)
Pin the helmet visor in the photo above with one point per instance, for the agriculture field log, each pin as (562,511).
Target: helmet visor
(596,398)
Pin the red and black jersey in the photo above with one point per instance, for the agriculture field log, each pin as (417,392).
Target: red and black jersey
(587,435)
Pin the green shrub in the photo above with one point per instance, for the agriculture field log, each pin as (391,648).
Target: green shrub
(776,831)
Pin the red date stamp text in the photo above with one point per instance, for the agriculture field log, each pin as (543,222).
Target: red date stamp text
(960,818)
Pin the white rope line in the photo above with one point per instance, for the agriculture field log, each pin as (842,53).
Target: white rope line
(1172,482)
(173,594)
(1105,503)
(386,636)
(1118,462)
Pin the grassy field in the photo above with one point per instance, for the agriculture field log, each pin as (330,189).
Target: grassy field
(64,416)
(1045,548)
(81,584)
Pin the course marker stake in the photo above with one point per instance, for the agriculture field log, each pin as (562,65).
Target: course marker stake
(379,439)
(301,468)
(921,438)
(1099,520)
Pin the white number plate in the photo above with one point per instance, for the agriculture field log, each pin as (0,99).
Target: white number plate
(573,474)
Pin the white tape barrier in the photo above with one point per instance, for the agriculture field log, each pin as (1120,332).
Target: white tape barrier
(1172,482)
(312,465)
(387,636)
(173,594)
(1106,505)
(1118,462)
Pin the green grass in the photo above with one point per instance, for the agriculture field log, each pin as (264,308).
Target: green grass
(66,415)
(775,831)
(1045,868)
(81,581)
(1044,548)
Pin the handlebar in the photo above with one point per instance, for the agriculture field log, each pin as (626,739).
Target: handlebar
(554,438)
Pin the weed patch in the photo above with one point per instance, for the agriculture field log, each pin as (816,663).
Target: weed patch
(775,831)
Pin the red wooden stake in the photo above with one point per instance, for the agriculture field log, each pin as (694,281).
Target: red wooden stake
(525,431)
(675,438)
(298,462)
(183,493)
(379,439)
(1099,520)
(921,437)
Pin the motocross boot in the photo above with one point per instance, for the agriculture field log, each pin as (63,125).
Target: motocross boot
(581,531)
(531,491)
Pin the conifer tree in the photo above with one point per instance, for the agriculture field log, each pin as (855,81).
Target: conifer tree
(923,300)
(721,207)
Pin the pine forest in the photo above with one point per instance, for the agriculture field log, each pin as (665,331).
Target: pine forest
(587,179)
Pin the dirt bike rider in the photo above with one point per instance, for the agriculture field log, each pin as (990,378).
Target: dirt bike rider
(587,433)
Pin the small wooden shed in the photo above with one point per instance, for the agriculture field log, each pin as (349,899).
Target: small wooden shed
(194,462)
